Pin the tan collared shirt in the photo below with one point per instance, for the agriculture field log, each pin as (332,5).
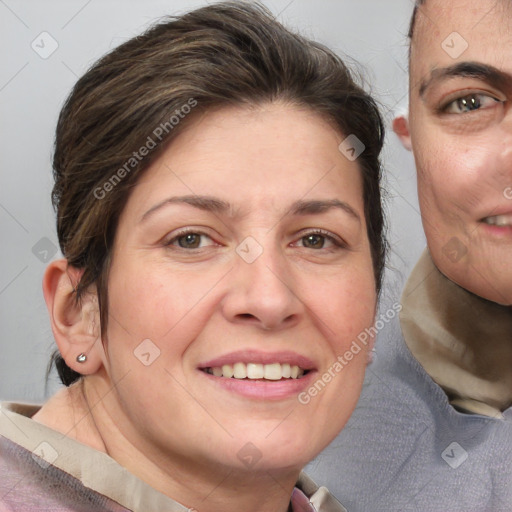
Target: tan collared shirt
(464,342)
(41,468)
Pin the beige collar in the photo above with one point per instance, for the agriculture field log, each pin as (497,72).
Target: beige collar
(103,474)
(464,342)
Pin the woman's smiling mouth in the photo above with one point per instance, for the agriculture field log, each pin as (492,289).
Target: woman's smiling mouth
(261,375)
(257,371)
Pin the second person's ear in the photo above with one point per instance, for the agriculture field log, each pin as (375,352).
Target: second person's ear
(401,128)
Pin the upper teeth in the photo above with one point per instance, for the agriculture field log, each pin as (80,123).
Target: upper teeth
(274,371)
(499,220)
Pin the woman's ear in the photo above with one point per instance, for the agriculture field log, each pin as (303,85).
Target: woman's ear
(76,327)
(401,128)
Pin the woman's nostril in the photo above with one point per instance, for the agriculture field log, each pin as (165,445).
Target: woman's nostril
(245,316)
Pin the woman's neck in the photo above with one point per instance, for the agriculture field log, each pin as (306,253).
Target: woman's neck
(85,413)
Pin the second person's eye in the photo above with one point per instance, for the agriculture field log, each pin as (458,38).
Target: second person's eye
(470,102)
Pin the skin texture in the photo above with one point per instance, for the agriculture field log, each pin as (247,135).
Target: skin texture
(169,423)
(460,130)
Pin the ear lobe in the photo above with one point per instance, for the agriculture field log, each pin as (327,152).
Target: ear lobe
(401,128)
(76,327)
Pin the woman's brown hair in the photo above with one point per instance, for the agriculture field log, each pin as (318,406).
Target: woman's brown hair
(133,101)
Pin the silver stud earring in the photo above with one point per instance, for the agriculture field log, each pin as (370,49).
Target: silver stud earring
(81,358)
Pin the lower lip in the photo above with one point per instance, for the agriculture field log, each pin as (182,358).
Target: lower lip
(263,389)
(499,231)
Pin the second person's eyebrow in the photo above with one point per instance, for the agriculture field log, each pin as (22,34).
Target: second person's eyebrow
(476,70)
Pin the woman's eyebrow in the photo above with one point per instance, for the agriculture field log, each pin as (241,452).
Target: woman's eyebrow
(484,72)
(206,203)
(218,206)
(320,206)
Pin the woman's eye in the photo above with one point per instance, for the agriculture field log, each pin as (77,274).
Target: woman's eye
(191,241)
(470,103)
(319,241)
(313,241)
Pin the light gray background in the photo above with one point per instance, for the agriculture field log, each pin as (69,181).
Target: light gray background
(32,91)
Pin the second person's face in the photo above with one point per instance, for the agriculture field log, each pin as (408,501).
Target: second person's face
(461,133)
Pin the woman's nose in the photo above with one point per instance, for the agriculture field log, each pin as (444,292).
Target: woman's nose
(261,292)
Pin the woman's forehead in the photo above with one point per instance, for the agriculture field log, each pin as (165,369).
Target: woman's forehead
(239,165)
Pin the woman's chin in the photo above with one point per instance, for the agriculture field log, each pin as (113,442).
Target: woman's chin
(258,456)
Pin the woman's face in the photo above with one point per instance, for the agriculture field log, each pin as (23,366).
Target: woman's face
(242,249)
